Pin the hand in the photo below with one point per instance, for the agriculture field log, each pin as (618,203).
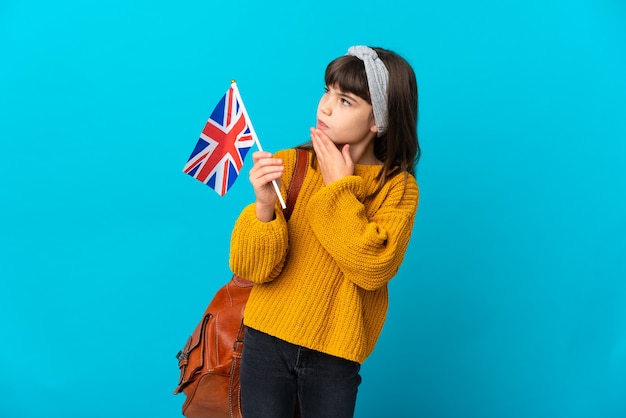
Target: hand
(265,170)
(334,164)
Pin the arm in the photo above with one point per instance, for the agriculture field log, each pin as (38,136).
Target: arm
(259,240)
(257,248)
(368,248)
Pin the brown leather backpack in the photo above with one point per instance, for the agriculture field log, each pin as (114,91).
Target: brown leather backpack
(209,362)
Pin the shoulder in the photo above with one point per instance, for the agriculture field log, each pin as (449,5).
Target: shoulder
(402,188)
(288,153)
(289,157)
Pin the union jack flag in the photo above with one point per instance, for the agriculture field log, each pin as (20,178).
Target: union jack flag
(223,145)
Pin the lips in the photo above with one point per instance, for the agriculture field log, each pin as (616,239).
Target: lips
(321,125)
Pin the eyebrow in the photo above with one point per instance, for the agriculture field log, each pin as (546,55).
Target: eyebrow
(346,95)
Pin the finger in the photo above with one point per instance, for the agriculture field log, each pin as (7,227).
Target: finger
(315,140)
(345,152)
(322,138)
(268,170)
(323,145)
(259,155)
(263,175)
(265,161)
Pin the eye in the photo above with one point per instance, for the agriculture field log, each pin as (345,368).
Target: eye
(326,89)
(345,102)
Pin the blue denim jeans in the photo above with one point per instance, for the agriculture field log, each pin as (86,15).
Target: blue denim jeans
(276,374)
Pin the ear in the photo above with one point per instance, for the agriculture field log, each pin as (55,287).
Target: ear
(374,128)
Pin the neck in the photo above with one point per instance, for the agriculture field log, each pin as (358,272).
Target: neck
(364,154)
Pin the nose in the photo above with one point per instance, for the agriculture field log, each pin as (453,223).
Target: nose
(324,106)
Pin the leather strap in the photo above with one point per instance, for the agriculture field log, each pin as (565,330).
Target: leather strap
(299,172)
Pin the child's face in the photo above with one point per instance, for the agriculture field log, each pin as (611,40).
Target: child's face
(345,117)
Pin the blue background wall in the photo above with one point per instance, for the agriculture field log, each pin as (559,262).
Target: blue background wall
(512,298)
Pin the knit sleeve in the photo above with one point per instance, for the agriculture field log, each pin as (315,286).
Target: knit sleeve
(258,249)
(367,247)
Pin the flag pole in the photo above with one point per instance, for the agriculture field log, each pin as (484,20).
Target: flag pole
(256,138)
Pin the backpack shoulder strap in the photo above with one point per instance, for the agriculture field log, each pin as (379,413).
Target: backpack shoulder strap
(299,172)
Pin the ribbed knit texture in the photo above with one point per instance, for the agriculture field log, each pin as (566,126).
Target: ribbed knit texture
(322,277)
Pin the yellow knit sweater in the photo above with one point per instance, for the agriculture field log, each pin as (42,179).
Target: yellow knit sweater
(321,278)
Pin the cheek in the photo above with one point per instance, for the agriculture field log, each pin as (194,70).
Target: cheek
(367,121)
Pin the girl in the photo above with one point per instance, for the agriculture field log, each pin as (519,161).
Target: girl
(320,295)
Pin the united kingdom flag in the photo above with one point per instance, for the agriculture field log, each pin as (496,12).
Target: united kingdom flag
(223,145)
